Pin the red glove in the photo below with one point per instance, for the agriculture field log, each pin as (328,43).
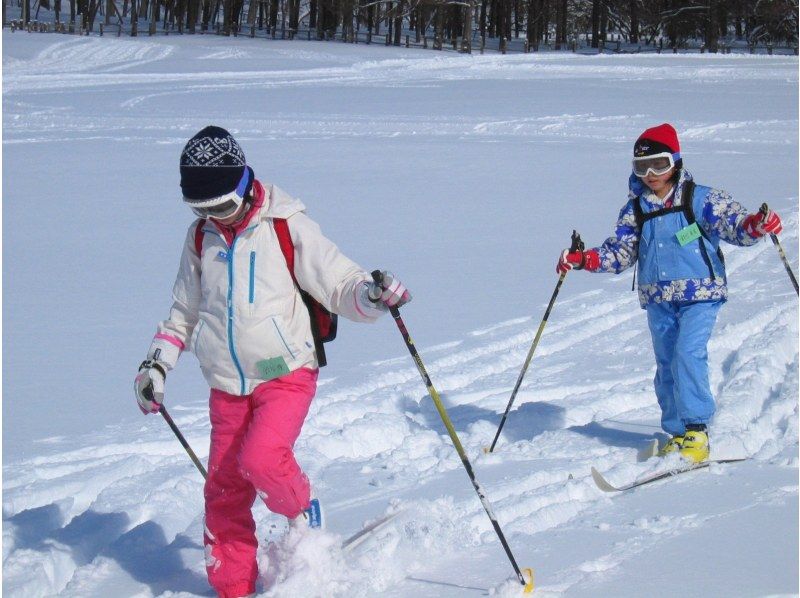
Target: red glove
(760,224)
(579,260)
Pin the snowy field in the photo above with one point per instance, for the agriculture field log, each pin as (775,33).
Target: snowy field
(465,176)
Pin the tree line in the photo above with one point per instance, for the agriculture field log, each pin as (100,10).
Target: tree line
(557,23)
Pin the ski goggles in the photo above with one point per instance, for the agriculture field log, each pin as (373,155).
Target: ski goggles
(224,206)
(219,211)
(657,164)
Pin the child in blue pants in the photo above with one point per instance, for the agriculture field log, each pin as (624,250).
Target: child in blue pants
(672,227)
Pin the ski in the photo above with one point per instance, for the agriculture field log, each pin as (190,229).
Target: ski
(606,486)
(362,534)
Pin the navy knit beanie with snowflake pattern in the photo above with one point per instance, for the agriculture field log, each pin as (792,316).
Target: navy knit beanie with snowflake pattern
(213,165)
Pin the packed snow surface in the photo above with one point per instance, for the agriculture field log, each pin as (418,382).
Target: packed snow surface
(465,175)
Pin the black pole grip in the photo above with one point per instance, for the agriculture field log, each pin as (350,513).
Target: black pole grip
(377,276)
(577,242)
(577,245)
(764,209)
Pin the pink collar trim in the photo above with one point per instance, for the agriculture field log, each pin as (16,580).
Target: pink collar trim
(259,197)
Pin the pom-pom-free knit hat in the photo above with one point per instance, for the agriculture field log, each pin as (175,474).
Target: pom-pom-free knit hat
(213,167)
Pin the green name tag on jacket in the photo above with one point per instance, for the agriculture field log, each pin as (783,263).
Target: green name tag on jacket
(272,368)
(688,234)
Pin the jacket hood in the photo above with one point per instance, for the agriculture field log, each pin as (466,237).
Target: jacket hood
(280,204)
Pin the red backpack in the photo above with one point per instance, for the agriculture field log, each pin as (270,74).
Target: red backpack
(323,322)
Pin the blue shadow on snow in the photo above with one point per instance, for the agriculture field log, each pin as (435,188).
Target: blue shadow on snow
(523,423)
(142,551)
(615,436)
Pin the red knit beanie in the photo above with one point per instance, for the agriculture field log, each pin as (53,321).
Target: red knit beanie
(656,140)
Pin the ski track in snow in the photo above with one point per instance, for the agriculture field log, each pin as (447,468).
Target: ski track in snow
(94,516)
(114,64)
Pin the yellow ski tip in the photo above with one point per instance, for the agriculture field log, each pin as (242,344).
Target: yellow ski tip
(486,450)
(528,575)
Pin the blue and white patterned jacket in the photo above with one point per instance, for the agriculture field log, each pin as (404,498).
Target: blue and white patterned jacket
(688,278)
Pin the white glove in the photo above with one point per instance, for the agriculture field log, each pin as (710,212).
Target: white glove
(391,292)
(149,386)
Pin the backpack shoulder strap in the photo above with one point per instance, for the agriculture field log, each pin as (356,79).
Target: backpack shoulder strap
(285,241)
(688,210)
(637,211)
(198,237)
(687,198)
(641,217)
(287,249)
(688,207)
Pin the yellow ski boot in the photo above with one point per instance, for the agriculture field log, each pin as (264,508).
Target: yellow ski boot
(695,446)
(675,443)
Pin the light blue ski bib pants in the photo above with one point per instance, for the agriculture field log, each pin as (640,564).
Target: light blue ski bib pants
(680,333)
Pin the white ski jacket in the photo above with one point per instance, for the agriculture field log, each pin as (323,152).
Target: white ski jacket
(238,310)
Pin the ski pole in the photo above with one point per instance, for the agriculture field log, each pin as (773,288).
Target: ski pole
(182,440)
(577,245)
(527,583)
(765,210)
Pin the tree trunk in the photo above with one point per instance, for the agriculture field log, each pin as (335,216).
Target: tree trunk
(723,11)
(252,9)
(191,15)
(739,18)
(533,25)
(466,34)
(398,22)
(134,19)
(294,16)
(94,5)
(634,4)
(596,22)
(712,27)
(206,16)
(517,18)
(154,13)
(439,26)
(273,17)
(603,21)
(561,24)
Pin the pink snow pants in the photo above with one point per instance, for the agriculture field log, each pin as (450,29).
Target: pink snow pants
(252,438)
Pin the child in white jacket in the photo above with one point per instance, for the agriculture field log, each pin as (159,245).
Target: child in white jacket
(237,307)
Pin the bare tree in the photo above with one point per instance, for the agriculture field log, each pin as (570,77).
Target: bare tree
(712,26)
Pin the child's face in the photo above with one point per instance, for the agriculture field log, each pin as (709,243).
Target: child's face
(659,183)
